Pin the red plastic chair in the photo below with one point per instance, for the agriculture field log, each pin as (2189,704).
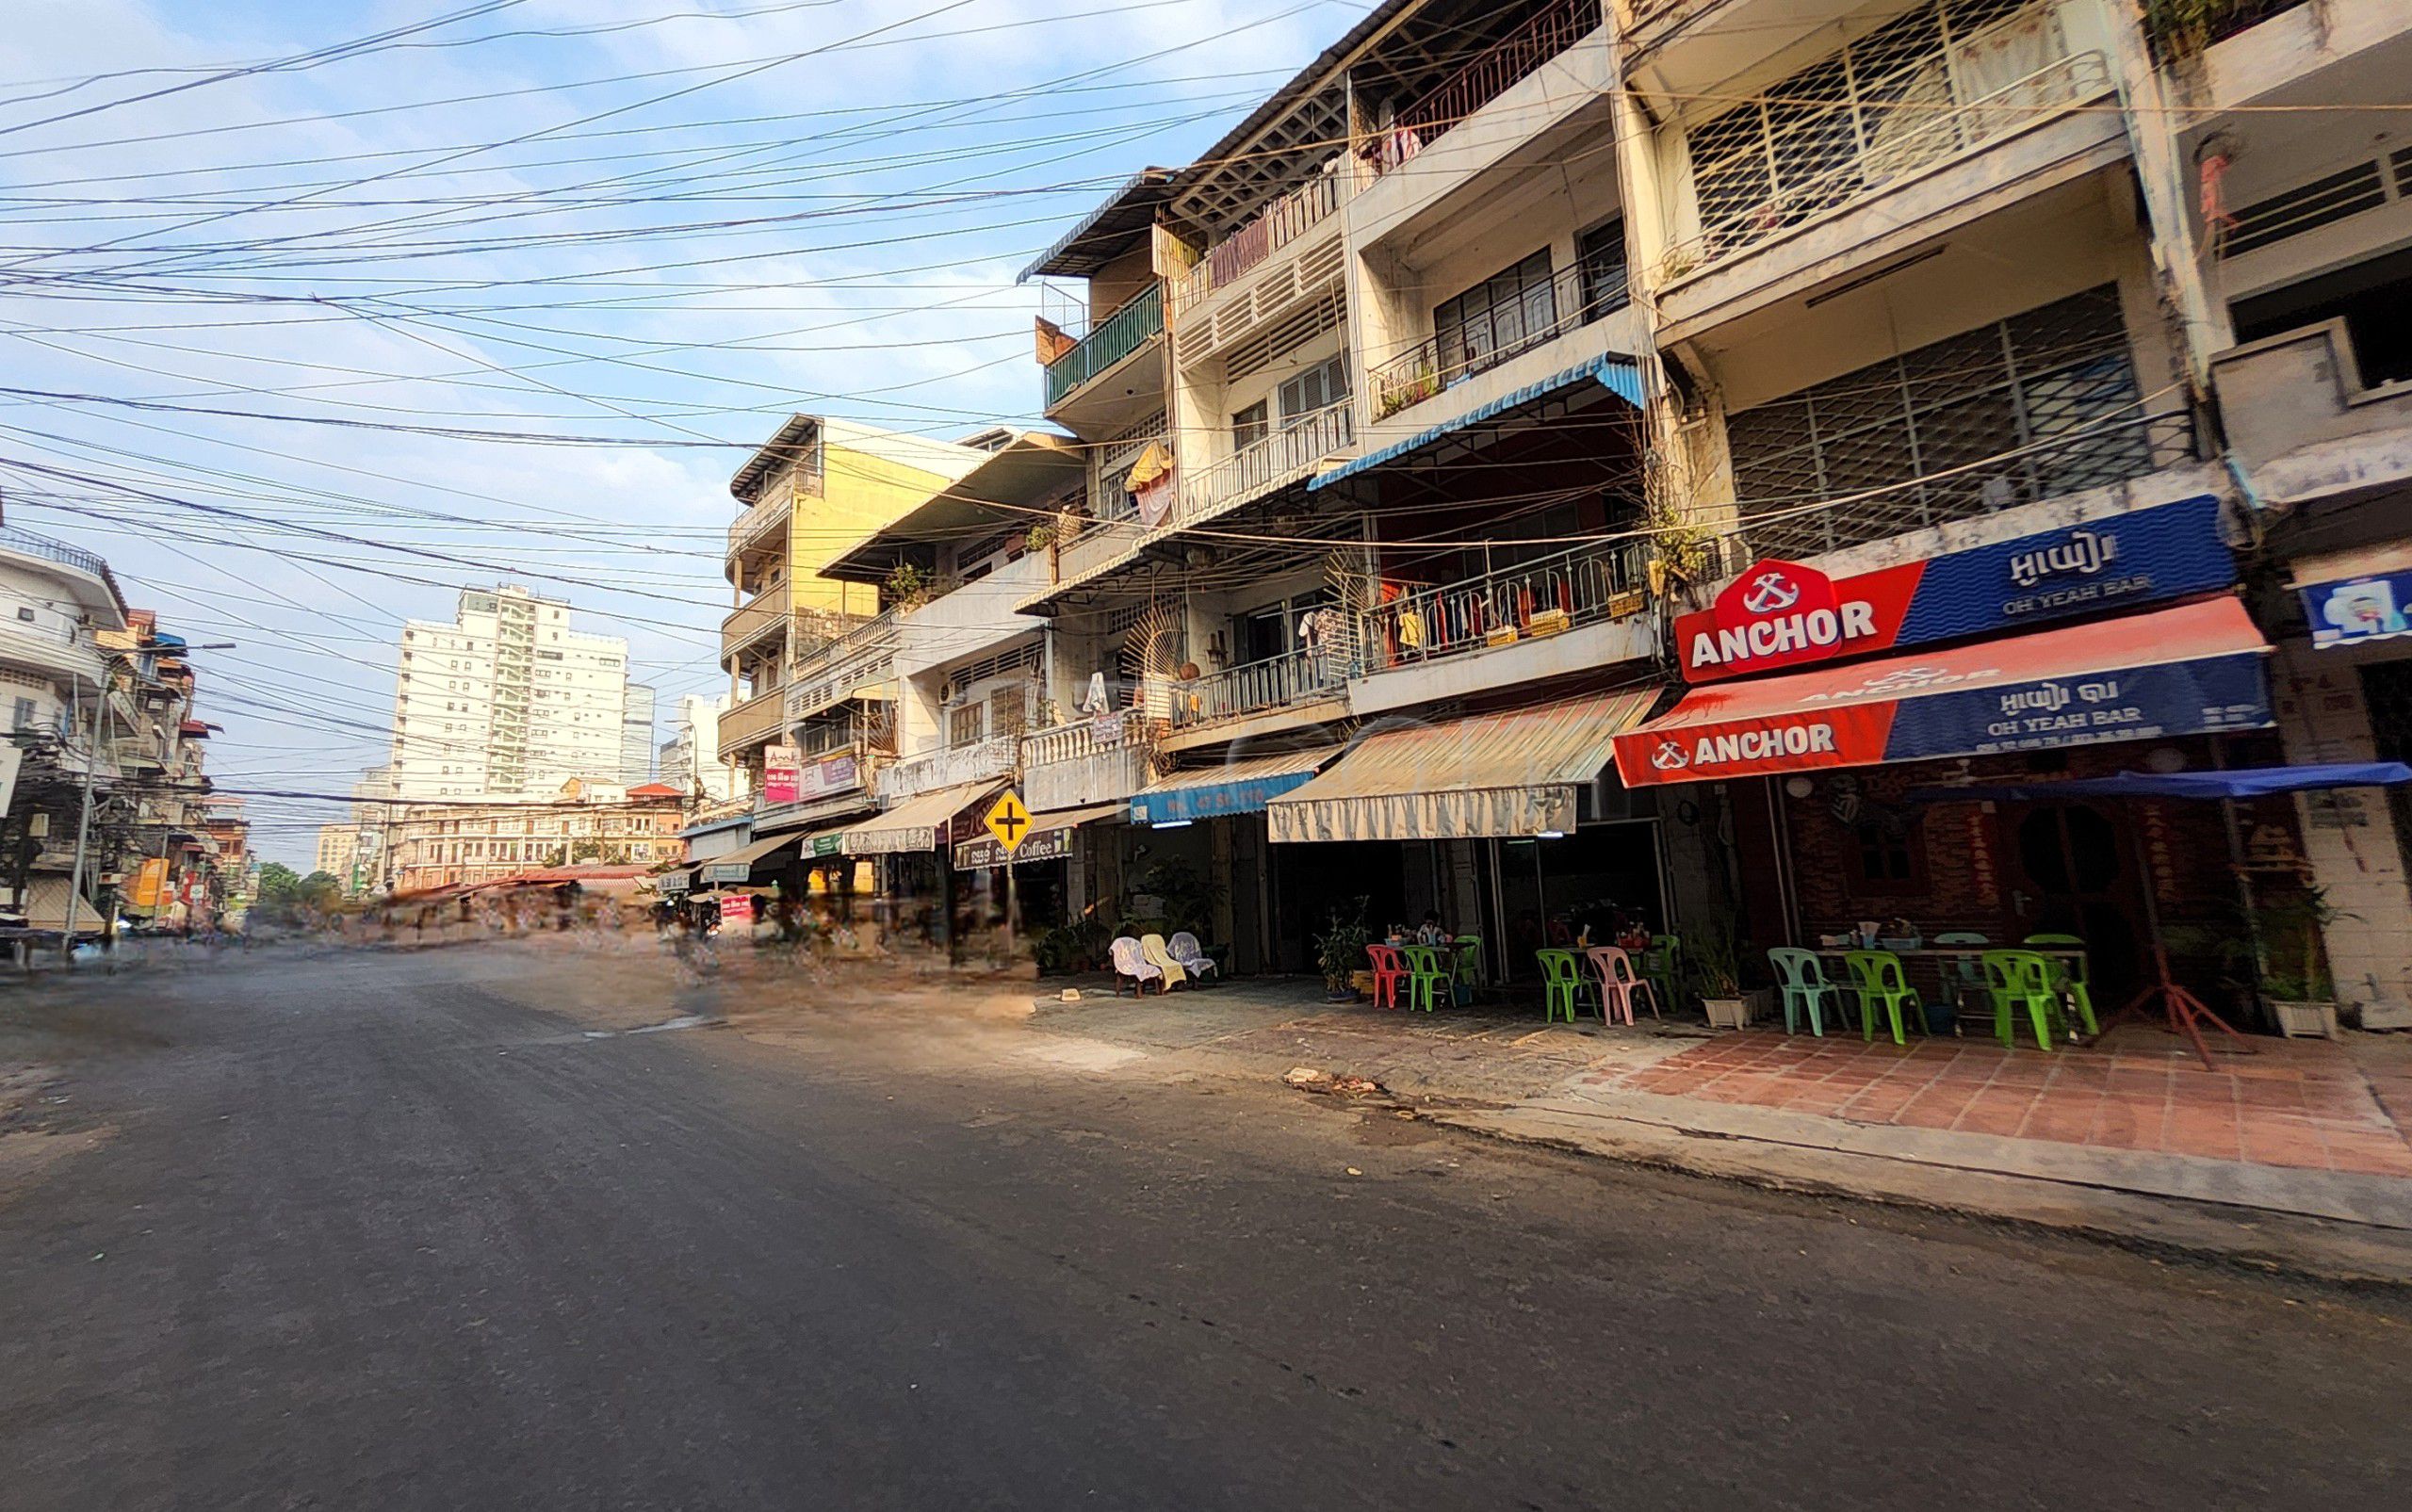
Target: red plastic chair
(1618,984)
(1390,969)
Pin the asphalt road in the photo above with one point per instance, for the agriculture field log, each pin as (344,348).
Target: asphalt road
(445,1231)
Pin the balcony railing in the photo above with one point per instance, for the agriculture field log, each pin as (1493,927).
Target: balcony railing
(1096,760)
(861,657)
(1108,499)
(750,722)
(1786,171)
(1585,585)
(1108,342)
(772,508)
(955,765)
(1509,326)
(764,613)
(1265,465)
(13,539)
(2097,455)
(1485,77)
(1276,682)
(1275,227)
(2182,28)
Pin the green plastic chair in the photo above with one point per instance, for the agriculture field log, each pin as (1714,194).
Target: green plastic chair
(2021,983)
(1804,985)
(1878,978)
(2070,979)
(1469,966)
(1661,963)
(1426,976)
(1562,984)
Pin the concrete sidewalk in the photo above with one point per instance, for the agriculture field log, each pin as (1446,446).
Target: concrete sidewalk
(2291,1157)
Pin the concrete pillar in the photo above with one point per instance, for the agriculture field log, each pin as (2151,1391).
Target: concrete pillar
(2349,835)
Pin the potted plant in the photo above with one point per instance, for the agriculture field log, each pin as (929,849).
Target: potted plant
(1340,950)
(1716,976)
(2296,982)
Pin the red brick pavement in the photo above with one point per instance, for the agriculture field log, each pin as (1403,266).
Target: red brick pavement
(2293,1103)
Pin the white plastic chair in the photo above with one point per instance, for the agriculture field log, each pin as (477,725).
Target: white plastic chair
(1192,957)
(1130,965)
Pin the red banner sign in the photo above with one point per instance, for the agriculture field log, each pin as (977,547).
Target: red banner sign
(1779,614)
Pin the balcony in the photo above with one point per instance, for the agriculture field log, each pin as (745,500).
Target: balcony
(862,658)
(1293,452)
(1508,328)
(752,723)
(951,767)
(1100,760)
(760,519)
(1289,256)
(1109,341)
(1764,174)
(2299,416)
(1286,681)
(766,612)
(2178,30)
(1485,77)
(89,563)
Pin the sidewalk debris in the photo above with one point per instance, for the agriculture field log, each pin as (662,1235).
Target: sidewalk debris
(1308,1078)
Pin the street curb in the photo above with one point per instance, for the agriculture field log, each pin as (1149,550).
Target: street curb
(2318,1250)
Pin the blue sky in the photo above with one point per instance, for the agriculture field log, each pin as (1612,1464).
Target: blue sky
(664,222)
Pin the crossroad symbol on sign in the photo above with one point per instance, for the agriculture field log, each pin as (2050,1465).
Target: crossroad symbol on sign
(1009,822)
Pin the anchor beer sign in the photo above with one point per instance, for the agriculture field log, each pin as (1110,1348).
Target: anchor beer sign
(1783,613)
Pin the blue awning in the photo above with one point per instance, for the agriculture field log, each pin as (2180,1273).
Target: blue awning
(1617,375)
(1245,786)
(2246,782)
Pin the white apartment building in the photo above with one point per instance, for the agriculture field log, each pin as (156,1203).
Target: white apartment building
(507,700)
(690,758)
(636,737)
(338,849)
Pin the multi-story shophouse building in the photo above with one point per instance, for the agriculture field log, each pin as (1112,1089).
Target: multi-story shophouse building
(811,657)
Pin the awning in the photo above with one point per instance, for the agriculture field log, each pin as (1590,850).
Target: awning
(1509,773)
(738,865)
(1617,375)
(2192,670)
(805,816)
(1050,837)
(1241,786)
(916,823)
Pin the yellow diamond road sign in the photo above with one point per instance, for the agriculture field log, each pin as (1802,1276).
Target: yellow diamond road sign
(1009,822)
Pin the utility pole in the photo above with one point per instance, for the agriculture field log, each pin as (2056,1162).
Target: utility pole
(83,819)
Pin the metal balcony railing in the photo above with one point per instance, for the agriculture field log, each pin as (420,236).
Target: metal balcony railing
(1258,468)
(862,657)
(13,539)
(1585,585)
(2101,454)
(759,517)
(1784,172)
(1108,342)
(1509,326)
(1276,682)
(1279,224)
(1484,78)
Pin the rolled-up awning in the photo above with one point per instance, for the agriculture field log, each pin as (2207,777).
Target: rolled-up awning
(1048,839)
(917,824)
(738,865)
(1509,773)
(1241,786)
(2192,670)
(1620,376)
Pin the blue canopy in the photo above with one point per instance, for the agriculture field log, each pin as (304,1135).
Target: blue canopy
(2249,782)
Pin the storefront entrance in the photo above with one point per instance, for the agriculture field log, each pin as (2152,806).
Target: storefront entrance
(2075,873)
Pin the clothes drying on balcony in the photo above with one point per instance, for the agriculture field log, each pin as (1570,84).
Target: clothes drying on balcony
(1513,774)
(1617,375)
(1243,786)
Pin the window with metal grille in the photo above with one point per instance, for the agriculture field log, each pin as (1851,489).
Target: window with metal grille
(1496,315)
(1009,710)
(965,725)
(2038,405)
